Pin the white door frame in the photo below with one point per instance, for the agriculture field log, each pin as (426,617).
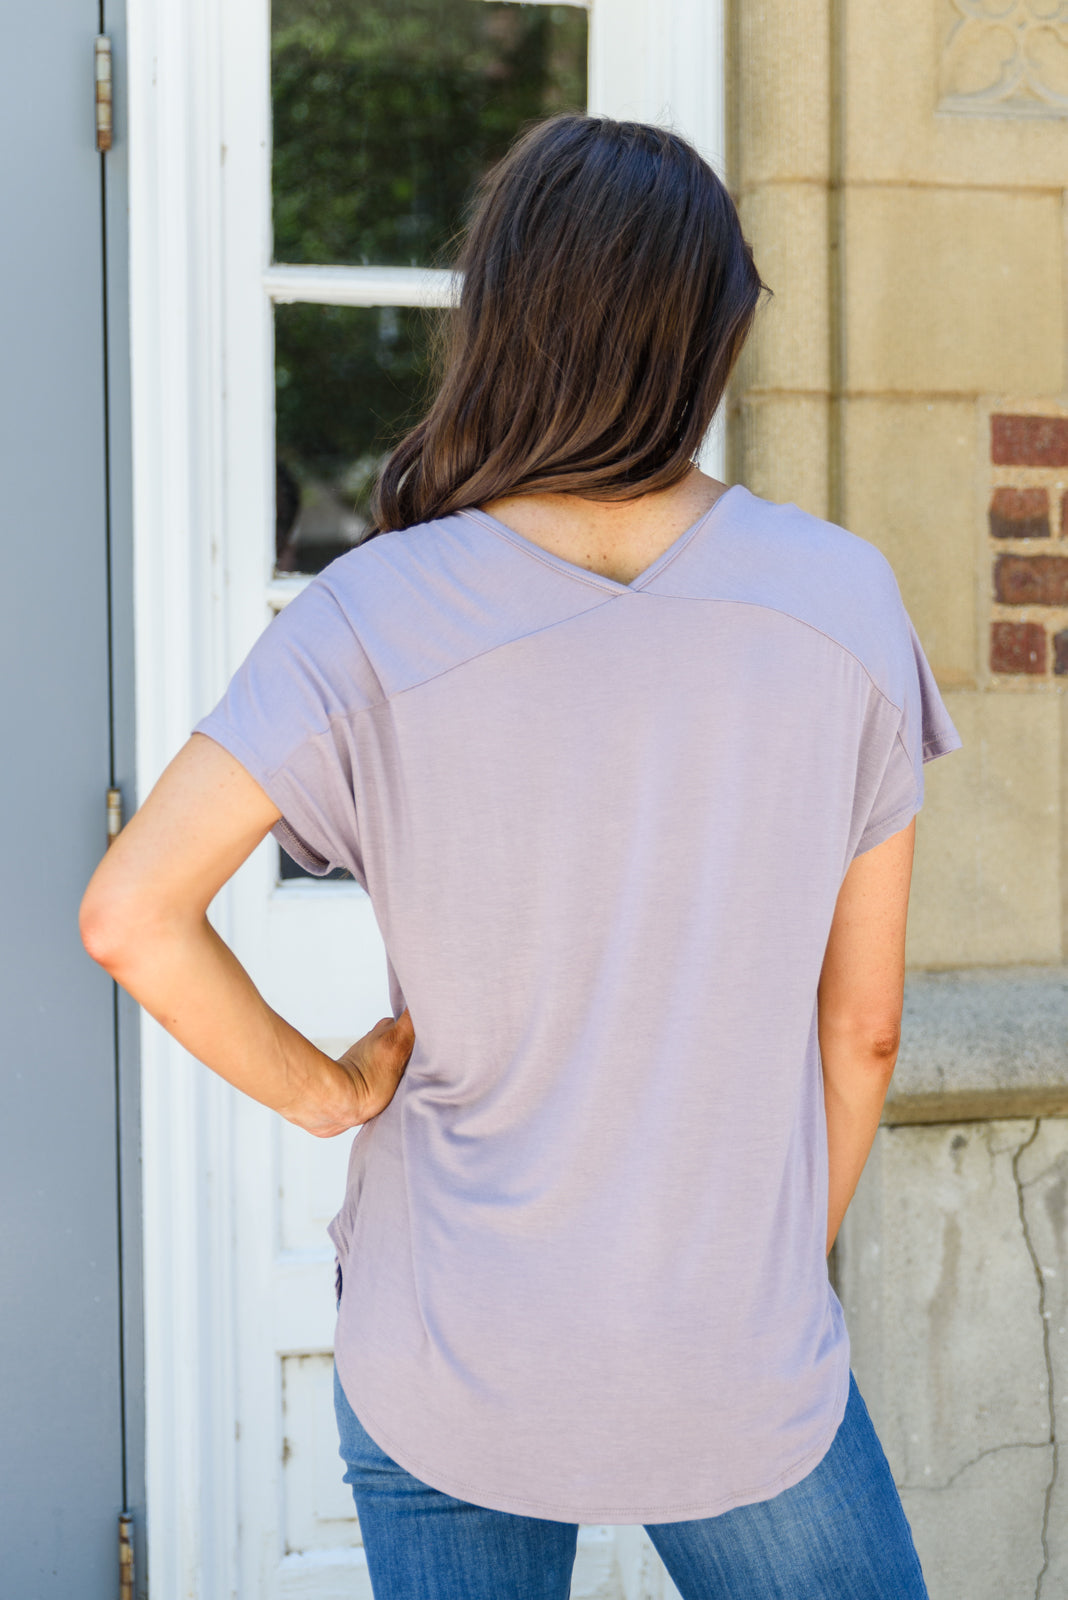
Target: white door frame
(189,68)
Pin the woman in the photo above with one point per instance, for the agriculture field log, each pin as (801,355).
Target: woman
(628,761)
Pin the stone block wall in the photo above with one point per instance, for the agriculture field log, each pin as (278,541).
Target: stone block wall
(952,1268)
(955,1263)
(900,171)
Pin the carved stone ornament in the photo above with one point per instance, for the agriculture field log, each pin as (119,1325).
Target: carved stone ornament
(1006,58)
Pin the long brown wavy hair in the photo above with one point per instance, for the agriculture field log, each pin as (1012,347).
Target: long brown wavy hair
(607,293)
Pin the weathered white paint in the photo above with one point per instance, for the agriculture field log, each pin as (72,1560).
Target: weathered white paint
(313,949)
(177,364)
(663,61)
(237,1293)
(360,286)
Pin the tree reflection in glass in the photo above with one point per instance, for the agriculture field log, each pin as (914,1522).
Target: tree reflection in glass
(385,113)
(349,380)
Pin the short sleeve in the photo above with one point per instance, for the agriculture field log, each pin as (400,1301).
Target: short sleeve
(289,716)
(911,727)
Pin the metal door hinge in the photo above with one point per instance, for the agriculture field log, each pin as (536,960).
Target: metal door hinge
(126,1557)
(103,92)
(114,814)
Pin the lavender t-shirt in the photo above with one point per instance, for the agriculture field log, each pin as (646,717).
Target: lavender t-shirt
(603,827)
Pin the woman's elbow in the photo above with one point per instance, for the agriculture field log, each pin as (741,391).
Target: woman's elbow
(875,1041)
(101,926)
(114,921)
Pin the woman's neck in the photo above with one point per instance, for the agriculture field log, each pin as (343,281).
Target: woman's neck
(618,539)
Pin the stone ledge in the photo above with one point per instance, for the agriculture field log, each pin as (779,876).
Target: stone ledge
(982,1042)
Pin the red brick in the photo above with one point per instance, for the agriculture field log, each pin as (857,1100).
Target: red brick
(1017,647)
(1031,580)
(1019,514)
(1060,649)
(1021,441)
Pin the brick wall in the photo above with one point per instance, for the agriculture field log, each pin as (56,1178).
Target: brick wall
(1028,522)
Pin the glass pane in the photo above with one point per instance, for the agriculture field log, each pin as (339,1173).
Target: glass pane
(288,869)
(349,381)
(385,112)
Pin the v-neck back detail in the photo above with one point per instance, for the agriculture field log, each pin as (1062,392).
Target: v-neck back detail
(572,569)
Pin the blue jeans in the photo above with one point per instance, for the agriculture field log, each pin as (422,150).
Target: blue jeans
(839,1534)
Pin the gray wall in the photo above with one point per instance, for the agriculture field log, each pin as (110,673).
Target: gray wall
(952,1267)
(70,1338)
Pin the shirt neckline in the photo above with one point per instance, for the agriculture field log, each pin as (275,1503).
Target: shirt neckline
(572,570)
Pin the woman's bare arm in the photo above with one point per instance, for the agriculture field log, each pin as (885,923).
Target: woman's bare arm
(144,918)
(861,992)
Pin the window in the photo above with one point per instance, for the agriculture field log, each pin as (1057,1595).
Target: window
(385,113)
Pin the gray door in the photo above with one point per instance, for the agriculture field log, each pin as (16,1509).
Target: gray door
(69,1330)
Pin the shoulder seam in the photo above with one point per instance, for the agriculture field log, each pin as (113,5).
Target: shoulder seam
(606,599)
(347,620)
(764,605)
(500,644)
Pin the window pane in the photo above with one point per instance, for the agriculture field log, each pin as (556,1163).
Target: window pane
(289,869)
(349,381)
(385,112)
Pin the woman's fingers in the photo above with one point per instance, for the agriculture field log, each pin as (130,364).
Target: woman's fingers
(393,1048)
(399,1032)
(376,1064)
(387,1025)
(365,1081)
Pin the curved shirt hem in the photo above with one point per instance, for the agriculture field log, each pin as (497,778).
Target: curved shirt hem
(618,1516)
